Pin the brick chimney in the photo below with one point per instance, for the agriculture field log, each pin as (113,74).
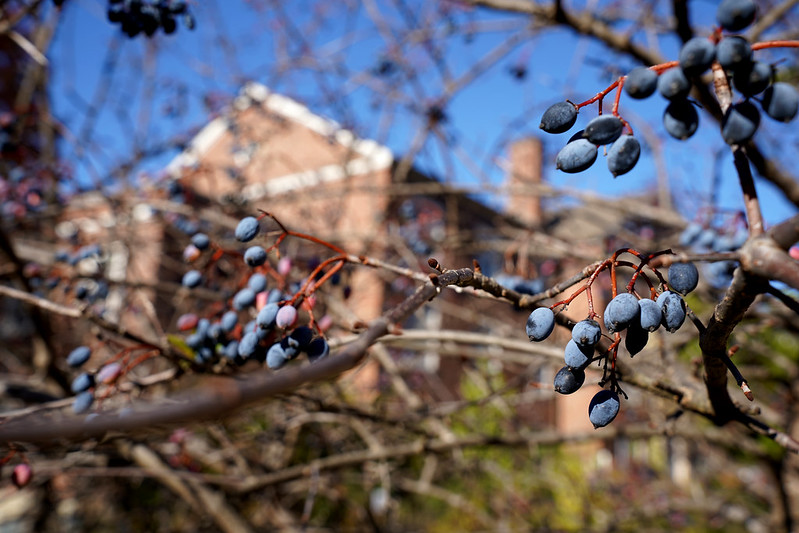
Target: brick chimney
(524,174)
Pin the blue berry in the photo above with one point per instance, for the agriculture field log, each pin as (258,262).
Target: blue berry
(267,315)
(243,299)
(586,333)
(79,356)
(301,337)
(621,312)
(559,117)
(651,315)
(569,380)
(247,229)
(192,279)
(576,356)
(733,52)
(317,349)
(636,339)
(83,381)
(696,56)
(603,129)
(229,321)
(641,82)
(683,277)
(735,15)
(603,408)
(255,256)
(680,119)
(257,282)
(781,101)
(200,241)
(673,84)
(276,356)
(248,345)
(576,156)
(623,155)
(673,308)
(231,350)
(740,123)
(540,324)
(83,402)
(752,78)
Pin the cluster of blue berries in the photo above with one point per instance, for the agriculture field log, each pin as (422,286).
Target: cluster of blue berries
(147,17)
(754,80)
(271,335)
(727,236)
(625,312)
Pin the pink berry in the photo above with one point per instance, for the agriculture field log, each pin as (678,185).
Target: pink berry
(286,316)
(21,475)
(284,266)
(109,373)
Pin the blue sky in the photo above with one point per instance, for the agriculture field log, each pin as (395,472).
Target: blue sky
(234,42)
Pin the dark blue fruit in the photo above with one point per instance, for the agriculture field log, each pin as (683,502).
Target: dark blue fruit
(201,241)
(576,156)
(696,56)
(83,402)
(82,382)
(603,408)
(317,349)
(576,356)
(603,129)
(623,155)
(651,315)
(559,117)
(641,82)
(569,380)
(276,356)
(673,308)
(636,339)
(683,277)
(540,324)
(78,356)
(735,15)
(752,78)
(267,315)
(243,299)
(586,333)
(247,229)
(248,344)
(257,282)
(733,53)
(781,101)
(255,256)
(192,279)
(674,85)
(680,119)
(740,123)
(621,312)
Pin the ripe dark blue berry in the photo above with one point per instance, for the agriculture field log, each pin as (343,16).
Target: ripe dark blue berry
(735,15)
(576,156)
(276,356)
(540,324)
(752,78)
(603,408)
(641,82)
(267,315)
(781,101)
(83,401)
(603,129)
(636,339)
(696,56)
(576,356)
(201,241)
(680,119)
(257,282)
(317,349)
(740,123)
(651,315)
(243,299)
(247,229)
(683,277)
(673,84)
(586,332)
(248,344)
(621,311)
(673,308)
(255,256)
(569,380)
(733,53)
(192,279)
(559,117)
(79,356)
(623,155)
(83,381)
